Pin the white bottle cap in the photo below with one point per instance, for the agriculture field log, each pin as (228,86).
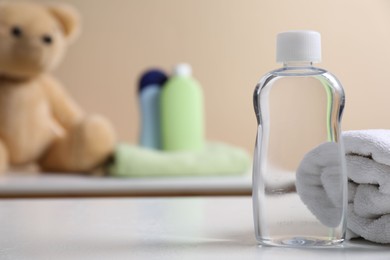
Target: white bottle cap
(296,46)
(182,69)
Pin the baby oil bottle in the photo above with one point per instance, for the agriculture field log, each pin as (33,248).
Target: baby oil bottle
(299,109)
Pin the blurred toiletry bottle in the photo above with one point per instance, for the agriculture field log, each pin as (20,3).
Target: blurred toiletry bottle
(150,85)
(182,119)
(298,108)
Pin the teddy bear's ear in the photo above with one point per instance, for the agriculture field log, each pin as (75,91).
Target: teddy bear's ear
(69,19)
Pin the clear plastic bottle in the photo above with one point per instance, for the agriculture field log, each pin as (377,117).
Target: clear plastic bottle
(299,109)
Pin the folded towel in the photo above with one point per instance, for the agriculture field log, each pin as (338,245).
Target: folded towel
(368,168)
(368,163)
(214,159)
(318,183)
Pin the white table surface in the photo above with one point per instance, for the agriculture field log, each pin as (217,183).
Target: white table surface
(147,228)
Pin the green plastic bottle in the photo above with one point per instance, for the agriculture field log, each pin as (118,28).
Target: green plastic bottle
(182,116)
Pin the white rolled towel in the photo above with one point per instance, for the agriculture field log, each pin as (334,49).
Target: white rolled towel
(368,168)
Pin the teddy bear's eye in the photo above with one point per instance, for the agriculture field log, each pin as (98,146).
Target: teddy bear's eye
(16,31)
(47,39)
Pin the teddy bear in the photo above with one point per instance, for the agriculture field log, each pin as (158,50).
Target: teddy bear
(39,121)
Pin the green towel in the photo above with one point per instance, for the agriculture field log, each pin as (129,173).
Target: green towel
(214,159)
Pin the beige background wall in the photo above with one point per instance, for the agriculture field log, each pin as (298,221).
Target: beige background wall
(230,44)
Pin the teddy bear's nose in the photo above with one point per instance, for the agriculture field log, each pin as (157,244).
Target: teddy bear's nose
(47,39)
(16,31)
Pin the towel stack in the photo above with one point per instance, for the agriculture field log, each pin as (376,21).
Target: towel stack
(216,159)
(368,167)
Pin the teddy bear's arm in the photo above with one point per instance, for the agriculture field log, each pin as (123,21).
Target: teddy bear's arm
(63,107)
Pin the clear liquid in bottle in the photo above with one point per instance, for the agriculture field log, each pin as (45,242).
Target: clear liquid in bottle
(299,175)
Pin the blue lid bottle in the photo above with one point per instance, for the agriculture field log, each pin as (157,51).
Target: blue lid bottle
(149,92)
